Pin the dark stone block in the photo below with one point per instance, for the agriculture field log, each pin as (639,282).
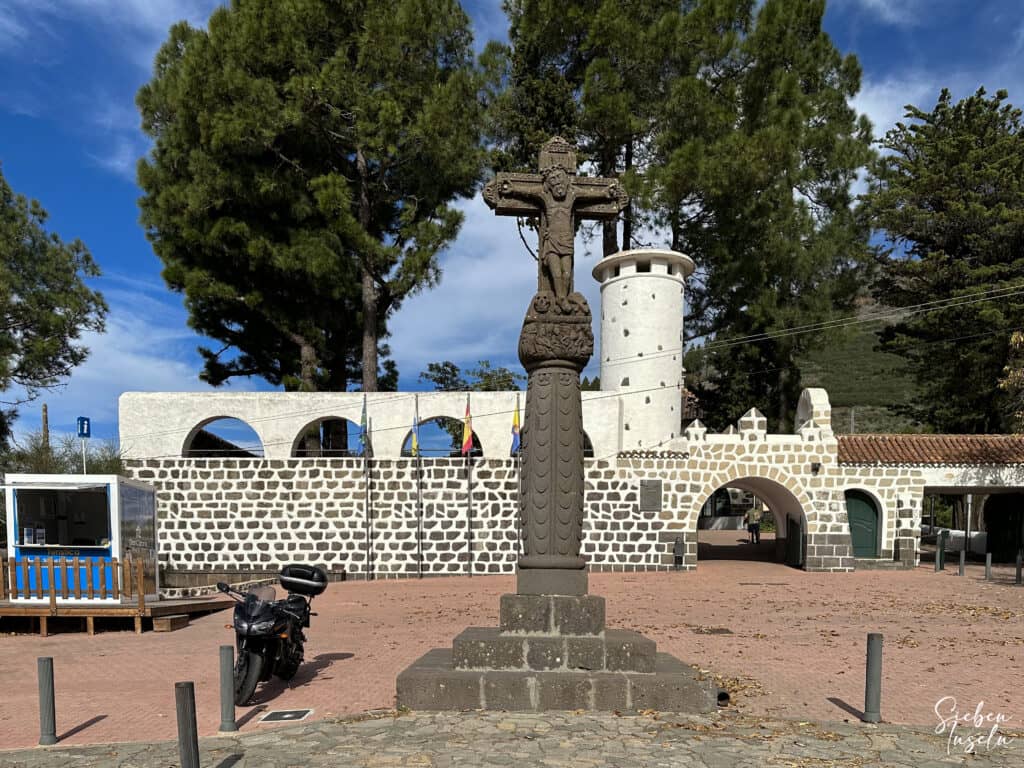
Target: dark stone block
(486,648)
(584,653)
(432,684)
(545,652)
(565,690)
(525,613)
(514,691)
(583,615)
(673,687)
(551,581)
(627,651)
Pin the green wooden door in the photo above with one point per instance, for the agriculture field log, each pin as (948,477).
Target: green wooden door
(863,516)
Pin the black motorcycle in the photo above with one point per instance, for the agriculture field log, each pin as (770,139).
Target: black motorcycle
(268,631)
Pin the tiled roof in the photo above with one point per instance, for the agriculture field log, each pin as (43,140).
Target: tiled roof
(931,449)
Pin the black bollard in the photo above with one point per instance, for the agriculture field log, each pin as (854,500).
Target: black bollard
(988,566)
(1020,557)
(188,737)
(963,561)
(47,708)
(227,689)
(941,551)
(873,680)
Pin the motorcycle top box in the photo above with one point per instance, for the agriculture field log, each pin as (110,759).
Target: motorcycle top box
(308,580)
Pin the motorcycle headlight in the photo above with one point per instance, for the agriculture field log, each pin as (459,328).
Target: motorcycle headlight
(261,627)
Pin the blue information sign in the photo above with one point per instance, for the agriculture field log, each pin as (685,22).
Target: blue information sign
(84,428)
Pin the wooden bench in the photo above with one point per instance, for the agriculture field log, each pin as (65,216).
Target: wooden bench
(170,623)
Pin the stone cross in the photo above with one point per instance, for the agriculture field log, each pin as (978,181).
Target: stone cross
(560,199)
(554,347)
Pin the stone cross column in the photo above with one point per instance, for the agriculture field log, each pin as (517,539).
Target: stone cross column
(555,345)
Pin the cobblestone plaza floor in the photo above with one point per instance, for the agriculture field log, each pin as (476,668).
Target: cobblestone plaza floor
(789,646)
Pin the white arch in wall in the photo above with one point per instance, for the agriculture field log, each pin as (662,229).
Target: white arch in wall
(187,444)
(781,492)
(317,422)
(476,436)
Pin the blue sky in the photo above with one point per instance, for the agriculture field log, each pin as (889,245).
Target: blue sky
(69,137)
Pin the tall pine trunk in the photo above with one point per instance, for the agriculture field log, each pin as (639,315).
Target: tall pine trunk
(369,287)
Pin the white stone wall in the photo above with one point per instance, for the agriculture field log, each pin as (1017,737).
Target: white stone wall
(160,424)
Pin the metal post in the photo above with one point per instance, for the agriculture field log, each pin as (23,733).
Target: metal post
(963,561)
(188,737)
(943,536)
(988,566)
(227,689)
(83,457)
(47,709)
(873,681)
(1020,557)
(469,511)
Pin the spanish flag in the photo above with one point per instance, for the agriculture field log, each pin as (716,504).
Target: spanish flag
(515,429)
(467,431)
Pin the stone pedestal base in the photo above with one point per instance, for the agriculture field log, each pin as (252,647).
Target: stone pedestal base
(553,652)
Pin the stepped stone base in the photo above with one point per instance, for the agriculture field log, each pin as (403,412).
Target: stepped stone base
(553,652)
(433,683)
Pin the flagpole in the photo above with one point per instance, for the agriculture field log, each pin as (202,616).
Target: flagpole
(419,493)
(368,505)
(469,494)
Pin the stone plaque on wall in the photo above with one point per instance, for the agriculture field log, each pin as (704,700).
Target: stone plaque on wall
(650,495)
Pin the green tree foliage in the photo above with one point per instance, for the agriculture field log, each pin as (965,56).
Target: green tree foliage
(948,195)
(33,454)
(731,127)
(448,377)
(305,156)
(45,304)
(1012,382)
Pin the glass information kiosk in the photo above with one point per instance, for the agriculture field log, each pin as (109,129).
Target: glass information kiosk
(78,530)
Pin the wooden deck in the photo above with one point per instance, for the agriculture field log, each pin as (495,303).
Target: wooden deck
(130,610)
(127,599)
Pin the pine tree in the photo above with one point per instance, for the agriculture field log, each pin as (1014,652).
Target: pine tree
(305,157)
(948,196)
(45,304)
(731,127)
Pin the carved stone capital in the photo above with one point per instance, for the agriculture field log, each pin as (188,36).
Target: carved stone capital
(556,332)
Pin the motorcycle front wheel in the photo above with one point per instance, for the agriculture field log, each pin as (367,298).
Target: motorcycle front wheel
(247,675)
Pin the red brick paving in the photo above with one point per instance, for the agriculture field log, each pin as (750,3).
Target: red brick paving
(797,641)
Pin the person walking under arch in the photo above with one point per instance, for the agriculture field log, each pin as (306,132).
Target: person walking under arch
(753,520)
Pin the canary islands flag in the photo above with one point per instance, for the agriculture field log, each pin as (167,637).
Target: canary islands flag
(415,447)
(515,429)
(467,431)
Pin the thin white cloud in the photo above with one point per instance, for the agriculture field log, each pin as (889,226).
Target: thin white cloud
(147,347)
(12,33)
(121,157)
(477,311)
(895,12)
(884,101)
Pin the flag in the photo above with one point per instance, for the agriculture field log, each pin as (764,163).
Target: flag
(415,449)
(363,441)
(515,429)
(467,431)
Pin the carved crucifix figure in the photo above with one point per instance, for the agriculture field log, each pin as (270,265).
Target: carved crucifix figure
(554,347)
(560,200)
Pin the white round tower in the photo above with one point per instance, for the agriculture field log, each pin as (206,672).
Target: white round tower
(642,341)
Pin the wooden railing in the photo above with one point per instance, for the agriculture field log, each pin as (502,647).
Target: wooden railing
(125,577)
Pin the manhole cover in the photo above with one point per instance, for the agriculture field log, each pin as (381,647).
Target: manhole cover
(285,716)
(712,630)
